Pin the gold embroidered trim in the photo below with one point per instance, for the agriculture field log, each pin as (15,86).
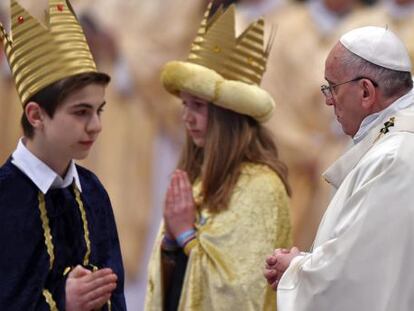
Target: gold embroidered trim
(85,226)
(67,271)
(189,246)
(46,229)
(49,243)
(386,128)
(49,300)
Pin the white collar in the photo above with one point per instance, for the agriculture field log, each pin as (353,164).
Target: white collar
(370,121)
(42,175)
(403,121)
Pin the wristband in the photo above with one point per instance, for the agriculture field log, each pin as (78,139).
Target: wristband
(185,236)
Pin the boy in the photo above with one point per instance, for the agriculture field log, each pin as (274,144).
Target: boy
(57,229)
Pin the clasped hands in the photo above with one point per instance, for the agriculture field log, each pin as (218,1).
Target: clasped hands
(179,207)
(89,290)
(277,264)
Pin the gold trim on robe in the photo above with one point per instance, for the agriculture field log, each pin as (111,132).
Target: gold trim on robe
(49,300)
(46,229)
(49,241)
(85,226)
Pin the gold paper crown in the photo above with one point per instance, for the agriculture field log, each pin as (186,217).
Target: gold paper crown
(223,69)
(40,55)
(240,58)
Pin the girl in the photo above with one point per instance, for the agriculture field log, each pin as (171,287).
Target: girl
(227,204)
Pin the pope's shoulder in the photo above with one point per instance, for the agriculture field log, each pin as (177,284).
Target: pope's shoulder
(394,148)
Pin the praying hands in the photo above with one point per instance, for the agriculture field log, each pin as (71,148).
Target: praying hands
(179,210)
(277,263)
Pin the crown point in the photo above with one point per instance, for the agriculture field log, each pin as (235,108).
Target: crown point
(217,49)
(20,19)
(60,7)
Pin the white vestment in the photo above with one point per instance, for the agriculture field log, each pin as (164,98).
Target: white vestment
(363,255)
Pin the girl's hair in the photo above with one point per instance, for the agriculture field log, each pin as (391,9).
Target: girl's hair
(232,139)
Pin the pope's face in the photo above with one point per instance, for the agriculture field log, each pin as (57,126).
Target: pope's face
(345,98)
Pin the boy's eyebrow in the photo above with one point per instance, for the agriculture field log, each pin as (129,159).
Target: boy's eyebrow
(87,106)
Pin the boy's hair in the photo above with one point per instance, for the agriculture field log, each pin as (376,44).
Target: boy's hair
(52,97)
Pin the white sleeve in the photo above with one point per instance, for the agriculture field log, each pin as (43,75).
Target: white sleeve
(365,263)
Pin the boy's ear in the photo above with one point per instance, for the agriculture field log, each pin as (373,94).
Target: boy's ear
(34,114)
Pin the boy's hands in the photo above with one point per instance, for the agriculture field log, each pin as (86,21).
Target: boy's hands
(86,290)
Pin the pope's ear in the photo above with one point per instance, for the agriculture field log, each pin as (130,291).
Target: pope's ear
(368,94)
(34,114)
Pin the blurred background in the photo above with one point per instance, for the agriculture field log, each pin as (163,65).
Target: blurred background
(138,148)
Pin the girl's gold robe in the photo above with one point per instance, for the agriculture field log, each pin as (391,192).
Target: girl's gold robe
(225,267)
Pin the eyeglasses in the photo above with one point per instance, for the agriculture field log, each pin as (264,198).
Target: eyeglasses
(327,89)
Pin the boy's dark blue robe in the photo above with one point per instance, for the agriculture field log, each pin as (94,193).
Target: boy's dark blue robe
(29,270)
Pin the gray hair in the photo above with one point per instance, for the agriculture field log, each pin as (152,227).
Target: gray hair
(391,82)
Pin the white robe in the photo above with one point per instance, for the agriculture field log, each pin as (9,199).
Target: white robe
(363,253)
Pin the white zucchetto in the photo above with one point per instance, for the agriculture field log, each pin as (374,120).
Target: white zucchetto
(378,45)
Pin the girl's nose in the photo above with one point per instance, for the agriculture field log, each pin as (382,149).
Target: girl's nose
(187,115)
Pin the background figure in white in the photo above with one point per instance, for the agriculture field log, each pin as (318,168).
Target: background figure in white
(303,125)
(398,15)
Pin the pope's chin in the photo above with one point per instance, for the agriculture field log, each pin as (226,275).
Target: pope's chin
(349,131)
(344,128)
